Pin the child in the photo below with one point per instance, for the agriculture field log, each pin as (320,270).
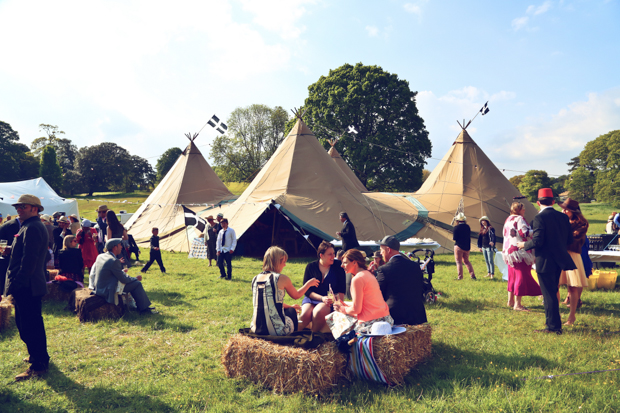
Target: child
(155,253)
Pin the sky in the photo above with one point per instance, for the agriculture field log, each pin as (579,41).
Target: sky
(141,74)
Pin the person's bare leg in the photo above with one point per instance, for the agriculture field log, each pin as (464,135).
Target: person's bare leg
(306,316)
(318,316)
(575,294)
(511,299)
(518,306)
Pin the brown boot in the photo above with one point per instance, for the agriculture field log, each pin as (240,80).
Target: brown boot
(30,373)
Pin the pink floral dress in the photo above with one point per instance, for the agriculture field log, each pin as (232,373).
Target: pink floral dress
(520,280)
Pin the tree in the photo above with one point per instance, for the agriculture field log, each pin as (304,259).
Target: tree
(581,184)
(16,162)
(254,134)
(166,161)
(602,157)
(66,152)
(425,174)
(383,111)
(516,180)
(558,184)
(532,182)
(103,166)
(50,170)
(72,183)
(141,175)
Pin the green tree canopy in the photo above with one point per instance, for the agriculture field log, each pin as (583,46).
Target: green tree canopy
(602,156)
(166,161)
(103,166)
(516,180)
(16,162)
(66,152)
(382,109)
(532,182)
(254,133)
(50,169)
(581,184)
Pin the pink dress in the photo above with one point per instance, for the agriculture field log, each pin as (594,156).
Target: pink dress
(520,280)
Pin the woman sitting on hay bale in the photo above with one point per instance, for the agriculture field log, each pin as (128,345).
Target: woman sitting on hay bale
(317,303)
(271,316)
(368,306)
(70,260)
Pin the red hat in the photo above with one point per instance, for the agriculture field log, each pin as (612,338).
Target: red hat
(545,193)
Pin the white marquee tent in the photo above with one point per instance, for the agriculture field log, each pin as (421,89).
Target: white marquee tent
(51,201)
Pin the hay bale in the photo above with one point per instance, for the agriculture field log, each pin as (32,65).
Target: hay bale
(54,292)
(397,354)
(52,274)
(5,313)
(92,307)
(282,368)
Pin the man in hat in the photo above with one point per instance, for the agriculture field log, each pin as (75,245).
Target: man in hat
(461,235)
(107,271)
(218,224)
(347,233)
(402,284)
(552,236)
(225,246)
(211,239)
(59,234)
(26,281)
(102,226)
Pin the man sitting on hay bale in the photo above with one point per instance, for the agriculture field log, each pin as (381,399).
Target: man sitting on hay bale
(107,272)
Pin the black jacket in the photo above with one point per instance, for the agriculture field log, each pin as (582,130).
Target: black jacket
(71,261)
(401,283)
(461,234)
(313,271)
(552,236)
(27,264)
(8,230)
(349,239)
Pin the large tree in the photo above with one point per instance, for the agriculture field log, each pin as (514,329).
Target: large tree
(16,162)
(602,156)
(66,152)
(532,182)
(50,170)
(166,161)
(254,133)
(581,184)
(103,166)
(389,149)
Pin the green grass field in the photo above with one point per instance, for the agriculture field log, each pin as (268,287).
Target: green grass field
(485,358)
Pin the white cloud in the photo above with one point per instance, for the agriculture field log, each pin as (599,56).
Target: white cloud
(279,16)
(415,7)
(569,130)
(523,22)
(520,23)
(543,8)
(372,31)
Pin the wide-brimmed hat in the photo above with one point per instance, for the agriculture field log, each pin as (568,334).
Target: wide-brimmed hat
(382,328)
(570,205)
(102,208)
(377,254)
(484,218)
(390,242)
(545,193)
(209,217)
(610,218)
(28,199)
(62,219)
(460,217)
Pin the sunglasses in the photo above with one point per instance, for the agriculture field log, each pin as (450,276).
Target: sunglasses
(21,206)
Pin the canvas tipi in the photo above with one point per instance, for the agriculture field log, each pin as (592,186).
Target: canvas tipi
(190,182)
(466,180)
(345,168)
(303,183)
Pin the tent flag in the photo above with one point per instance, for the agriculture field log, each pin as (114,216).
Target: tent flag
(192,219)
(485,109)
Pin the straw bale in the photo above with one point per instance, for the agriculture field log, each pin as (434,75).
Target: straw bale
(285,369)
(5,313)
(92,307)
(54,292)
(397,354)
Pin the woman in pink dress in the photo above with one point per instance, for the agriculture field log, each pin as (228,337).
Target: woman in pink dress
(87,240)
(520,280)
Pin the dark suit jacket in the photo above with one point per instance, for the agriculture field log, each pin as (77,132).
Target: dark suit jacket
(27,263)
(349,239)
(552,236)
(8,230)
(401,283)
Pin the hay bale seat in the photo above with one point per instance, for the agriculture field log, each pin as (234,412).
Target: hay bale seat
(286,369)
(92,307)
(6,307)
(54,292)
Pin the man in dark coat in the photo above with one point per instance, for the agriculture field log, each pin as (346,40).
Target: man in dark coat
(8,230)
(349,238)
(103,227)
(552,236)
(26,281)
(401,283)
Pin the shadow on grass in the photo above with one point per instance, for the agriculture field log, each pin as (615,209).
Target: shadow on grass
(169,299)
(157,322)
(447,372)
(9,331)
(465,305)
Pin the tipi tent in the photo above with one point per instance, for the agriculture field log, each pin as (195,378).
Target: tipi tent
(303,183)
(51,201)
(345,168)
(467,181)
(190,182)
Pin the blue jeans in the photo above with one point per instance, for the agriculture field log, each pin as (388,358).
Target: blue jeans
(488,259)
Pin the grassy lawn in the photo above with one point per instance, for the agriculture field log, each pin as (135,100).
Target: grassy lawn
(485,356)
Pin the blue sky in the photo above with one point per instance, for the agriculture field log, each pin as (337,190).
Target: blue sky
(143,73)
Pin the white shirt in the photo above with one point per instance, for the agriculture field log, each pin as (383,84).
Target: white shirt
(229,244)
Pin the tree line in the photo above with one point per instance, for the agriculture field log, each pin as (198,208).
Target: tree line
(69,170)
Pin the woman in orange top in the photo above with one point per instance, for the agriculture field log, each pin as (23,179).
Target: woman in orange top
(368,305)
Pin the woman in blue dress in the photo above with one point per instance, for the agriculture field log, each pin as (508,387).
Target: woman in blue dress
(317,303)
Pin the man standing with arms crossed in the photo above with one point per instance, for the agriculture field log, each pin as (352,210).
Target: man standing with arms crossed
(25,280)
(225,246)
(552,236)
